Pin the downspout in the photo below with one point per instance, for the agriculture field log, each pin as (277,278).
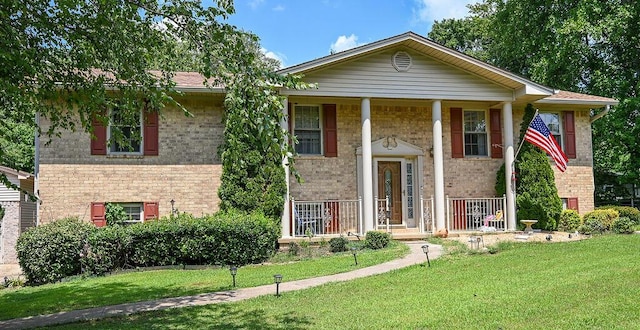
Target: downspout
(36,169)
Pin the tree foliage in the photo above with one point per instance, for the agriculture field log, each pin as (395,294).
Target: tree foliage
(588,46)
(70,60)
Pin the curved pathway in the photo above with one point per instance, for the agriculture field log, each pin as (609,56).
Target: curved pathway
(416,256)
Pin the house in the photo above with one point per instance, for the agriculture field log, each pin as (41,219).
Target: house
(19,211)
(401,134)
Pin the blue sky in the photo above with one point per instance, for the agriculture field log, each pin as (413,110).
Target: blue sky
(296,31)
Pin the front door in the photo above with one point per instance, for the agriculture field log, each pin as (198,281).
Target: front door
(390,184)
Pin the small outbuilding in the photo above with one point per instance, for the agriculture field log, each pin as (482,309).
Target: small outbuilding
(20,211)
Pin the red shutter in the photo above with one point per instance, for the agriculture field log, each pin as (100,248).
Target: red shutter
(151,210)
(457,140)
(572,203)
(99,142)
(98,214)
(569,134)
(330,130)
(496,133)
(150,124)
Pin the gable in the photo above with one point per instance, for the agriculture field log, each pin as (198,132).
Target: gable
(375,76)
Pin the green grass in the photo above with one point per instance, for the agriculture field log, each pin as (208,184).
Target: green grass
(590,284)
(146,285)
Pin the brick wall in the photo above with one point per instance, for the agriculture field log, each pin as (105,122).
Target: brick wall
(9,232)
(186,170)
(336,178)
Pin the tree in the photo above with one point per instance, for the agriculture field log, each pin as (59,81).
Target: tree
(536,192)
(70,60)
(588,46)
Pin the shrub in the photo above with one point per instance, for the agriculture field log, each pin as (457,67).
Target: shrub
(50,252)
(569,220)
(376,240)
(338,244)
(600,218)
(623,225)
(294,248)
(624,211)
(115,214)
(584,230)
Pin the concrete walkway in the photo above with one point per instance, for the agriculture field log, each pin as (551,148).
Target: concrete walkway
(416,256)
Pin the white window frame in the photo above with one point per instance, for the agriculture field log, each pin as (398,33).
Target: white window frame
(560,132)
(486,133)
(112,144)
(320,125)
(133,205)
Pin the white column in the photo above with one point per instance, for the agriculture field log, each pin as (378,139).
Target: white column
(438,165)
(507,143)
(367,165)
(284,124)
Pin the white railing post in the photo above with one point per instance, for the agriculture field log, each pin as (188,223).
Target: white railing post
(448,213)
(504,211)
(388,214)
(433,214)
(360,217)
(294,221)
(421,214)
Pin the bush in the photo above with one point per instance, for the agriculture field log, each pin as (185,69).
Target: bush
(624,211)
(569,220)
(64,248)
(294,248)
(600,220)
(623,225)
(376,240)
(338,244)
(115,214)
(50,252)
(584,230)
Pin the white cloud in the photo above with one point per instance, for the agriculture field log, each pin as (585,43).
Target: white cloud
(255,3)
(429,10)
(269,54)
(344,43)
(278,8)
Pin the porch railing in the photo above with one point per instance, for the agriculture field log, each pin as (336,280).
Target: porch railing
(326,217)
(426,214)
(476,214)
(382,213)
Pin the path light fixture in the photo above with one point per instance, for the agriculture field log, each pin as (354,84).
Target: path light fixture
(233,270)
(354,251)
(173,209)
(425,249)
(278,279)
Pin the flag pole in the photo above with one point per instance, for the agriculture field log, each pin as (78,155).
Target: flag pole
(522,142)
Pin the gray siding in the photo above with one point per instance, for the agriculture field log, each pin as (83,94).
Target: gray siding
(375,76)
(27,215)
(7,194)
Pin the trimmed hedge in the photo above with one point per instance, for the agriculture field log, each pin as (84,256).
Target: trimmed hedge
(623,225)
(338,244)
(624,211)
(51,252)
(600,220)
(569,220)
(376,240)
(229,238)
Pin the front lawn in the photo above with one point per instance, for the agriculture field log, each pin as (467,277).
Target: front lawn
(590,284)
(146,285)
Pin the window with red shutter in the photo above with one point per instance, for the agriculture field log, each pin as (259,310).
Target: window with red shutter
(569,134)
(98,214)
(496,133)
(151,211)
(150,134)
(330,130)
(457,141)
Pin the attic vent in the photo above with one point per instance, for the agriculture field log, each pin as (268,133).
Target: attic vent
(401,61)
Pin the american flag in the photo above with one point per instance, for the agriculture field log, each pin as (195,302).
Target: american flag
(538,134)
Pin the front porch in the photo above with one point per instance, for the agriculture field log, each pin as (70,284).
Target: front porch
(332,218)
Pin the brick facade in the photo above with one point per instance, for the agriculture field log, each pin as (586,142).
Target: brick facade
(186,170)
(336,178)
(9,232)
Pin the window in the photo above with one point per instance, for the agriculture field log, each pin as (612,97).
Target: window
(308,130)
(134,212)
(475,133)
(552,120)
(125,137)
